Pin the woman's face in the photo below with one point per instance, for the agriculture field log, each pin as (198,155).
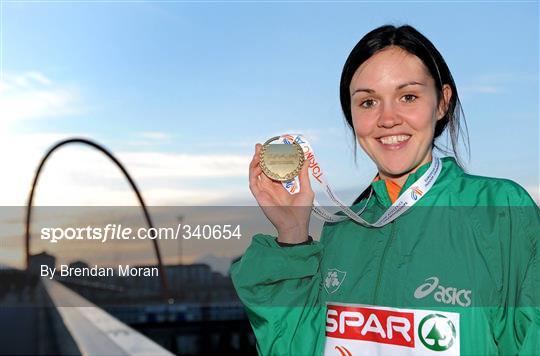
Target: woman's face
(394,111)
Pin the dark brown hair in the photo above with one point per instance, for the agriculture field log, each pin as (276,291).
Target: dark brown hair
(412,41)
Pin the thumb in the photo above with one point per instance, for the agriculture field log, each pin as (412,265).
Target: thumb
(304,177)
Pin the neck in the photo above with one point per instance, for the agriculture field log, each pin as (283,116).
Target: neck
(400,179)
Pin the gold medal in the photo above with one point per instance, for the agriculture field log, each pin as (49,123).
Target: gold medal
(281,162)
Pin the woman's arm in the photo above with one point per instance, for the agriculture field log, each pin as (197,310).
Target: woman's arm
(280,288)
(517,331)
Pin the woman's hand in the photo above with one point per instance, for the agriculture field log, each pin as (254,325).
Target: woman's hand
(289,213)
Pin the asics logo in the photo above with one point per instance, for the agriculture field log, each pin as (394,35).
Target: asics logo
(446,295)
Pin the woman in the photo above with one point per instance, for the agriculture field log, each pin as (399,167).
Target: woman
(458,273)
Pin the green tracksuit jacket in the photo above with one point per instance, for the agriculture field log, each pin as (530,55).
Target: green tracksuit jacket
(458,273)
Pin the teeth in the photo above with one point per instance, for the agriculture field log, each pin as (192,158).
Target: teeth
(392,140)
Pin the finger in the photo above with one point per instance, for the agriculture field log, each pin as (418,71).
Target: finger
(269,185)
(304,176)
(254,167)
(253,178)
(257,170)
(256,156)
(266,180)
(254,173)
(256,192)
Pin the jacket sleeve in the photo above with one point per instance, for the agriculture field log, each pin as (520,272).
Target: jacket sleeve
(279,287)
(518,328)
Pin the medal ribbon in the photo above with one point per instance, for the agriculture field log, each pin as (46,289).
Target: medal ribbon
(406,200)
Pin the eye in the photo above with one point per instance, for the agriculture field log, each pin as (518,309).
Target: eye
(409,98)
(366,104)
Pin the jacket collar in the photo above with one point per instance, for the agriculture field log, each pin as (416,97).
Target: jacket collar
(450,170)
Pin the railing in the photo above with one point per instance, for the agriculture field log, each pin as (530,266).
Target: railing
(94,331)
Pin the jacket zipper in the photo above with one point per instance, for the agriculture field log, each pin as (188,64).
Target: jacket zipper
(379,274)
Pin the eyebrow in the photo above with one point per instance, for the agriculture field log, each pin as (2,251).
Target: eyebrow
(401,86)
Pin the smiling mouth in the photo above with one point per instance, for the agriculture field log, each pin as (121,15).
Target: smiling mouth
(393,140)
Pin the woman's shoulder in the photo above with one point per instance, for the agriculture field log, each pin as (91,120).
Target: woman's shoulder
(491,190)
(461,188)
(492,182)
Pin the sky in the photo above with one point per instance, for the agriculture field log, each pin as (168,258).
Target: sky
(181,92)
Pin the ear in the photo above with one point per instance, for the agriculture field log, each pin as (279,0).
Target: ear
(445,100)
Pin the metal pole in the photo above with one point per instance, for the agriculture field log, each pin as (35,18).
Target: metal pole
(29,205)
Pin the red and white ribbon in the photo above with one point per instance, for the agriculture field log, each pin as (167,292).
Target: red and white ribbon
(406,200)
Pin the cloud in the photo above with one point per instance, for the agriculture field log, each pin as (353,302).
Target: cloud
(78,175)
(169,165)
(495,83)
(481,89)
(154,135)
(32,95)
(507,77)
(149,139)
(27,96)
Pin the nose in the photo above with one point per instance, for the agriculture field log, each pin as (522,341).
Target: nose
(389,116)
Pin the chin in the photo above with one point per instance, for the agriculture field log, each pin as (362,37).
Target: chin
(396,166)
(396,171)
